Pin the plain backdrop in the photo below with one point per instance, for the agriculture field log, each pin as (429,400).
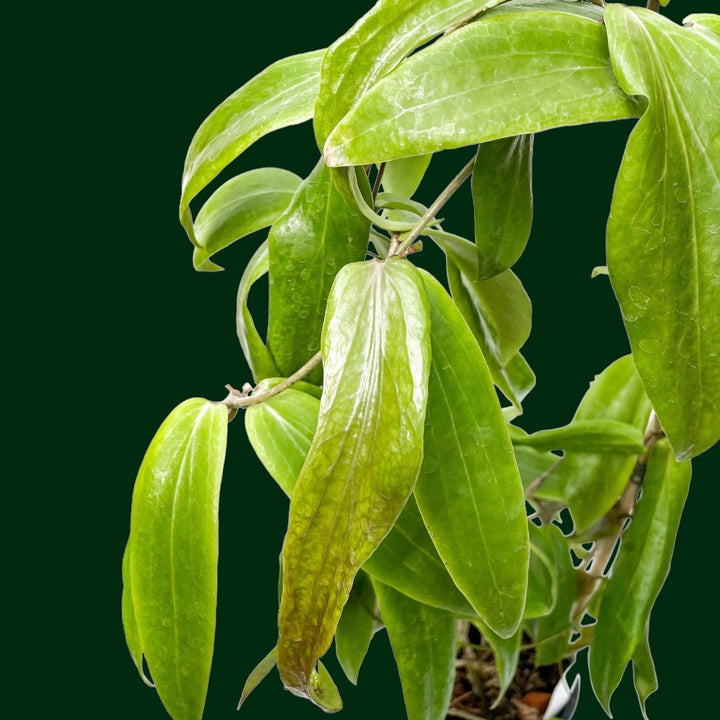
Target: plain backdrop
(108,327)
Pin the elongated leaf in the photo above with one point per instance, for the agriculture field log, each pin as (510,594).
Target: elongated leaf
(356,626)
(663,244)
(502,198)
(589,436)
(247,203)
(403,176)
(423,642)
(258,357)
(646,682)
(323,691)
(506,652)
(469,490)
(258,674)
(574,7)
(542,586)
(365,457)
(591,483)
(503,75)
(132,634)
(281,95)
(639,571)
(173,550)
(315,237)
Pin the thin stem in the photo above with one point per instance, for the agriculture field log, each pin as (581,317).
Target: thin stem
(432,211)
(653,5)
(236,400)
(378,180)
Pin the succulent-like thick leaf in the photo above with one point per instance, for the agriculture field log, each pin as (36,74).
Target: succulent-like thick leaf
(506,653)
(502,198)
(639,571)
(258,674)
(551,632)
(644,675)
(356,626)
(173,551)
(402,177)
(423,641)
(503,75)
(258,357)
(663,238)
(247,203)
(365,457)
(314,238)
(375,45)
(469,491)
(281,95)
(590,436)
(590,483)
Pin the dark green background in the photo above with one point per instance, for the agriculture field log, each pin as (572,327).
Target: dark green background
(111,328)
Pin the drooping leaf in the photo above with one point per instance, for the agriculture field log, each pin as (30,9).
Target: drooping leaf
(646,682)
(323,691)
(258,357)
(467,89)
(590,483)
(502,198)
(469,490)
(423,641)
(356,626)
(639,571)
(364,458)
(403,176)
(281,95)
(243,205)
(314,238)
(593,435)
(663,243)
(173,551)
(258,674)
(506,652)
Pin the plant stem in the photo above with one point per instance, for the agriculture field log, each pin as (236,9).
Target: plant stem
(236,399)
(653,5)
(431,212)
(378,180)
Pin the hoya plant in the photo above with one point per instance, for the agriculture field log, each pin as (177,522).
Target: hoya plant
(384,398)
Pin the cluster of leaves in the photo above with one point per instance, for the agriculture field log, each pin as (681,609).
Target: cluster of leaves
(409,484)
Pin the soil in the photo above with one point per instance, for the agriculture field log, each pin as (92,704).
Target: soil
(477,686)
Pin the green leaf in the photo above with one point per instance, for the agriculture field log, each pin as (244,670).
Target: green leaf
(258,357)
(173,552)
(280,429)
(469,490)
(503,75)
(365,457)
(551,632)
(541,591)
(502,198)
(132,634)
(258,674)
(403,176)
(423,641)
(639,571)
(314,238)
(323,691)
(646,682)
(375,45)
(243,205)
(707,21)
(590,436)
(574,7)
(663,251)
(534,463)
(281,95)
(590,483)
(356,627)
(506,652)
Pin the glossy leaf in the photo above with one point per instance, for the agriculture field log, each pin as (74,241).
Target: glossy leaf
(243,205)
(639,571)
(258,357)
(173,551)
(589,436)
(375,45)
(356,626)
(323,691)
(469,490)
(644,676)
(591,483)
(365,457)
(501,76)
(502,199)
(132,634)
(506,652)
(573,7)
(258,674)
(423,641)
(403,176)
(663,245)
(315,237)
(281,95)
